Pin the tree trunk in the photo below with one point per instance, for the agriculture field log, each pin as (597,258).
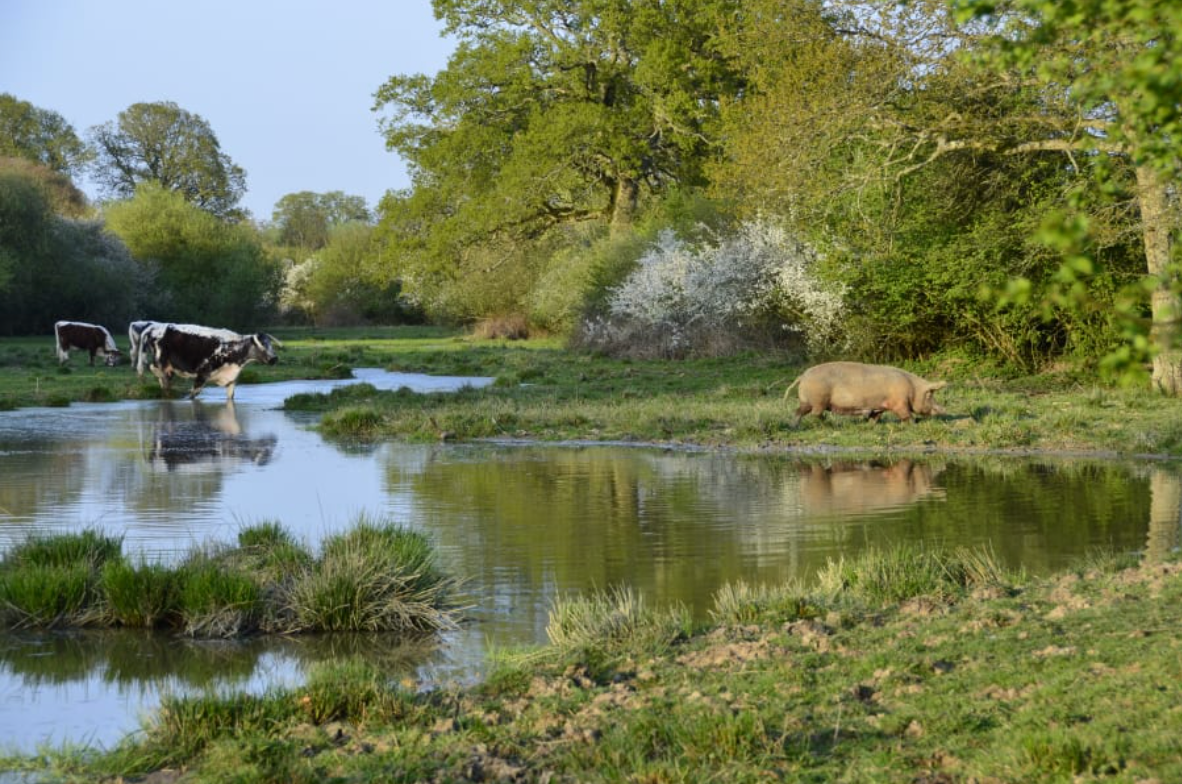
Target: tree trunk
(624,201)
(1165,305)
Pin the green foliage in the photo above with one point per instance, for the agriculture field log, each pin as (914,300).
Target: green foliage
(53,267)
(304,220)
(177,150)
(212,272)
(546,115)
(41,136)
(338,287)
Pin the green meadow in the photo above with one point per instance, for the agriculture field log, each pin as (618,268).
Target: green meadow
(543,391)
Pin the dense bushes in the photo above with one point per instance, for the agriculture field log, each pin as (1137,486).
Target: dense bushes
(54,267)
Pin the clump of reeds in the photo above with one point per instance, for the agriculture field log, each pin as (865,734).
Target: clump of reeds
(50,581)
(906,572)
(604,624)
(740,603)
(376,577)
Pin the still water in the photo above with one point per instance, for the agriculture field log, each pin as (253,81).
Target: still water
(521,524)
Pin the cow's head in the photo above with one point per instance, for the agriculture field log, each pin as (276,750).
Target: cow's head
(262,348)
(113,358)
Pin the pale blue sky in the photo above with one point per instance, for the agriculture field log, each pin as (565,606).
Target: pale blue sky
(287,85)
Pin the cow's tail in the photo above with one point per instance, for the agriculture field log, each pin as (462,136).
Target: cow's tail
(62,353)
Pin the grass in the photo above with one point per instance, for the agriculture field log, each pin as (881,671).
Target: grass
(376,577)
(977,674)
(544,392)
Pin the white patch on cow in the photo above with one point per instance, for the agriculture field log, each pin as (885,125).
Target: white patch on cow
(208,332)
(226,374)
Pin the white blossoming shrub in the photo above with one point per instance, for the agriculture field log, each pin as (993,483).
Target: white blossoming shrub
(699,300)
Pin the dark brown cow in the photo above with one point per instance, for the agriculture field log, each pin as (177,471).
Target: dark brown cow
(208,355)
(84,337)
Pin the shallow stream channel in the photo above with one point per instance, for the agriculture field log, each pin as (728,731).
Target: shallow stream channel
(520,524)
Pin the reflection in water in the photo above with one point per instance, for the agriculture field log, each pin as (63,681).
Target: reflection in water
(845,489)
(520,524)
(93,686)
(1165,514)
(205,435)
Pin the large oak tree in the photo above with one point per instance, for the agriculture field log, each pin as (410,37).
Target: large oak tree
(163,143)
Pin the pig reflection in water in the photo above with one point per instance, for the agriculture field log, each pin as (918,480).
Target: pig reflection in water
(864,488)
(211,436)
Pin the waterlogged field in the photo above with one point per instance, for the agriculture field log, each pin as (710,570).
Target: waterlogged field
(899,663)
(546,392)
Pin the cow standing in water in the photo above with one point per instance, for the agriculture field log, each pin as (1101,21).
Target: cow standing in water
(207,355)
(81,336)
(148,334)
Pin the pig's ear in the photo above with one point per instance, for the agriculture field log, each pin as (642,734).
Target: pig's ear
(937,385)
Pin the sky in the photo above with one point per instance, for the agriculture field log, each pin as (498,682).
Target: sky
(286,85)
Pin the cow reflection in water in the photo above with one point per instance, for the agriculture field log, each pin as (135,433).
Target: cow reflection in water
(856,489)
(213,435)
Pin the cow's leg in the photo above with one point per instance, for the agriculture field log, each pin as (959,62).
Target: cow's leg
(198,385)
(230,392)
(92,351)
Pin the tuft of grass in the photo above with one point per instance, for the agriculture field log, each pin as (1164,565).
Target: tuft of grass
(88,548)
(46,595)
(140,595)
(907,572)
(739,603)
(373,578)
(357,421)
(216,602)
(603,625)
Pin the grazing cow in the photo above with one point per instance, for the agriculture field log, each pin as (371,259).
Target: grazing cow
(84,337)
(208,355)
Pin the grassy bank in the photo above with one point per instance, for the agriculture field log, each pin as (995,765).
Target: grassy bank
(901,666)
(30,374)
(545,392)
(375,577)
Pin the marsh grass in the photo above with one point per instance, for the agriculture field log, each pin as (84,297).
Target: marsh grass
(376,577)
(139,595)
(892,575)
(602,626)
(1067,678)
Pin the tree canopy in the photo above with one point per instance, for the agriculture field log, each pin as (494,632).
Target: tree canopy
(304,219)
(551,113)
(40,135)
(163,143)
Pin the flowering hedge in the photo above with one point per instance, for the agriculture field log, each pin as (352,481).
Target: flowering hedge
(685,299)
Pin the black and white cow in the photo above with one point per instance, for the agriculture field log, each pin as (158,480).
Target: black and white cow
(207,355)
(149,334)
(84,337)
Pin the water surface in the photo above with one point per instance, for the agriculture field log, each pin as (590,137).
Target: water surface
(521,523)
